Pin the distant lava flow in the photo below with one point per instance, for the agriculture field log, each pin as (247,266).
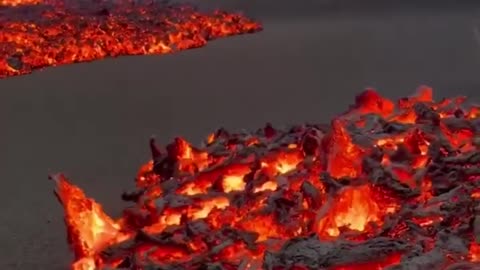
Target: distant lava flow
(385,185)
(36,34)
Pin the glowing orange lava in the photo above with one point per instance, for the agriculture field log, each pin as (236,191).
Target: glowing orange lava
(36,34)
(387,185)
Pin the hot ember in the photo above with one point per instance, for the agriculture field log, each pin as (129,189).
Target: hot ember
(36,33)
(386,185)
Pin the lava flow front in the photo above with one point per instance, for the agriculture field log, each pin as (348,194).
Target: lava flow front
(386,185)
(36,33)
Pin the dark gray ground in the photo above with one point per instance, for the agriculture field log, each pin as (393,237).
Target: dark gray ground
(92,121)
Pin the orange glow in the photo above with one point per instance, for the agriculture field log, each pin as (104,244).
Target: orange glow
(207,206)
(89,229)
(404,178)
(233,183)
(344,156)
(474,252)
(14,3)
(371,102)
(353,209)
(88,31)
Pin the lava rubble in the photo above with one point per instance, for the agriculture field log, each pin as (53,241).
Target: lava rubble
(386,185)
(35,34)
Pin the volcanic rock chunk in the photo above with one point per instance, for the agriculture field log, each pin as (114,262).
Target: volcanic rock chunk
(312,253)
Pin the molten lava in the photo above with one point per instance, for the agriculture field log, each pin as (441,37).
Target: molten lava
(388,185)
(36,33)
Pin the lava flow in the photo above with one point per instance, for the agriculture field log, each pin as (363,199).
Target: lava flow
(386,185)
(35,34)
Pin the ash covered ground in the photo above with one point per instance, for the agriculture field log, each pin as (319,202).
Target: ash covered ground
(92,120)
